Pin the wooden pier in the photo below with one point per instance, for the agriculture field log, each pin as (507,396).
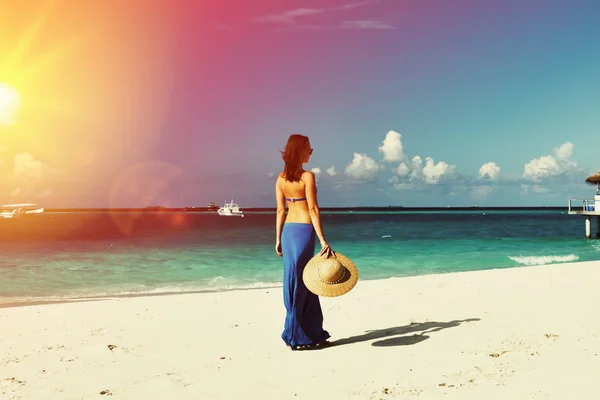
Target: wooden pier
(587,208)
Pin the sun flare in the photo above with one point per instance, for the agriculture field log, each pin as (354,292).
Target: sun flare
(10,101)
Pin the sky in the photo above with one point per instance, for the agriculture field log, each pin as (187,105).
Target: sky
(406,102)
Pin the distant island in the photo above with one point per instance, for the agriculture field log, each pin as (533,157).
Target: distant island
(213,208)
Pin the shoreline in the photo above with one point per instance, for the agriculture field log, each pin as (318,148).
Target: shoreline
(207,210)
(78,299)
(127,296)
(527,332)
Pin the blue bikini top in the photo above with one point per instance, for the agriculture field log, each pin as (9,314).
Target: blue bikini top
(293,200)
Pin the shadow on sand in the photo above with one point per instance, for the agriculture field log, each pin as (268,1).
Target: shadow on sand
(420,331)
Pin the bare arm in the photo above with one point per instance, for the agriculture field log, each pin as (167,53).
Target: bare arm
(313,206)
(280,213)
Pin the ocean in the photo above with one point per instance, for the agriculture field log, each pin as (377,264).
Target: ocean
(59,256)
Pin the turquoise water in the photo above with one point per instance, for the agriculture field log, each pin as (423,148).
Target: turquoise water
(69,255)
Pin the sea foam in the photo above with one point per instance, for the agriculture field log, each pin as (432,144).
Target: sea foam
(542,260)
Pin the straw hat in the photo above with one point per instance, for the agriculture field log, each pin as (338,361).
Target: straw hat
(330,276)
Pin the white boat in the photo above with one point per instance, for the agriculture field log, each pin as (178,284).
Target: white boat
(230,209)
(19,210)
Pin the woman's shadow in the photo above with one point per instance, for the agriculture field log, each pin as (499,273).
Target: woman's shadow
(422,328)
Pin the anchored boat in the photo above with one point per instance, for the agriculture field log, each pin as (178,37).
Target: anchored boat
(19,210)
(230,210)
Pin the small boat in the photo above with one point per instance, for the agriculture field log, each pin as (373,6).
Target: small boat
(230,209)
(19,210)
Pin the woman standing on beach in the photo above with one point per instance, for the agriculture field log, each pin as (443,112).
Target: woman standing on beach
(296,244)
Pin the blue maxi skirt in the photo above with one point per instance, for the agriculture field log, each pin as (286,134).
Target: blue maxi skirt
(303,318)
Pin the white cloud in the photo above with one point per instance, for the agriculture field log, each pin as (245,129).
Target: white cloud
(541,167)
(289,17)
(29,174)
(546,174)
(433,172)
(271,174)
(490,171)
(26,165)
(362,167)
(400,185)
(316,171)
(402,169)
(366,24)
(416,172)
(551,165)
(356,4)
(565,151)
(331,171)
(392,148)
(419,172)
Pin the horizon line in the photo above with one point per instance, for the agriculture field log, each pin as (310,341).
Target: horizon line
(205,208)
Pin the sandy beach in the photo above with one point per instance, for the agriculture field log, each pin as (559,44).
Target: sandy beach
(524,333)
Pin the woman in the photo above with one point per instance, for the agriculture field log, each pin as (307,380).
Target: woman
(296,244)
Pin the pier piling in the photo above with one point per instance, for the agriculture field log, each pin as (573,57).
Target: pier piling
(588,227)
(587,208)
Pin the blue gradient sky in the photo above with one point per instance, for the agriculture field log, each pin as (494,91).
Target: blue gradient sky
(464,82)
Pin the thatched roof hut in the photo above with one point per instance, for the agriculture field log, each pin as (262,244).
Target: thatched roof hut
(593,179)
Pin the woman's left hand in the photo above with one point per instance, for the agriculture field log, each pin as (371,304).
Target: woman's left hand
(326,250)
(278,249)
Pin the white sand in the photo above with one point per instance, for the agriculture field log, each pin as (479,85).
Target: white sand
(530,333)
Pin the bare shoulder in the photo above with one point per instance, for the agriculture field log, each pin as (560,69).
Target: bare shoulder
(308,176)
(281,183)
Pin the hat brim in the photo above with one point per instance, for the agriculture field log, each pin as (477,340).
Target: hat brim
(320,288)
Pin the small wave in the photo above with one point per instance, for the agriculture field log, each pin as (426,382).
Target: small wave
(217,284)
(542,260)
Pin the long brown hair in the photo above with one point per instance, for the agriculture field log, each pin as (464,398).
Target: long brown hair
(293,156)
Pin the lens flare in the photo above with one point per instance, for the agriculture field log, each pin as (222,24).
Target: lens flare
(10,101)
